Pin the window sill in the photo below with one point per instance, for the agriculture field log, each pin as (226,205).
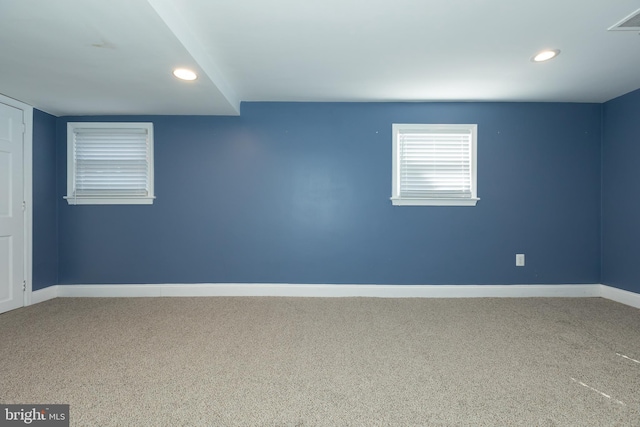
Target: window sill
(109,201)
(434,202)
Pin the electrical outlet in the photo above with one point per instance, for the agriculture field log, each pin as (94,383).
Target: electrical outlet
(519,260)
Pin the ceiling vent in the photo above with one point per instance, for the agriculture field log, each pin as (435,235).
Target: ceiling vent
(630,23)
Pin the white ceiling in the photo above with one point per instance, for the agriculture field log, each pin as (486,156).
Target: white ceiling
(81,57)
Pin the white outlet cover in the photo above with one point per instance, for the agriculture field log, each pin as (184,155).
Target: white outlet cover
(519,260)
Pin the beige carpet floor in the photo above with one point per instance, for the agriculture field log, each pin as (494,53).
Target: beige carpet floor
(326,362)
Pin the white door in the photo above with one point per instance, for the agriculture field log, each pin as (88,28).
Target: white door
(12,222)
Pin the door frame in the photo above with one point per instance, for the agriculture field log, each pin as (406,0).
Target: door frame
(27,191)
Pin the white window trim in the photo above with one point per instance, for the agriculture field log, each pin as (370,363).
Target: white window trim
(396,200)
(73,199)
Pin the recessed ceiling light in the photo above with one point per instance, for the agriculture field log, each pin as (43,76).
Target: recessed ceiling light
(545,55)
(184,74)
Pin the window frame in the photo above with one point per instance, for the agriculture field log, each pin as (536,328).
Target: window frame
(73,199)
(397,200)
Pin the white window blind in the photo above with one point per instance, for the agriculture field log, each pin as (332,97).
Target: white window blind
(112,162)
(434,164)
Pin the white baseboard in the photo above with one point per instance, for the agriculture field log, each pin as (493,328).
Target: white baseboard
(621,296)
(44,294)
(317,290)
(329,291)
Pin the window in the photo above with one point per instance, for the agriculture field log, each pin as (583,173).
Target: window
(109,163)
(434,165)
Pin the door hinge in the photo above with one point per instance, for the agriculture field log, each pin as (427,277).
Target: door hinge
(24,206)
(24,286)
(24,128)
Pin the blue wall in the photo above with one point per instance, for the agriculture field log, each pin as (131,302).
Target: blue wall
(621,201)
(299,193)
(45,238)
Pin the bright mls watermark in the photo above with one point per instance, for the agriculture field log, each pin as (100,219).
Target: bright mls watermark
(34,415)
